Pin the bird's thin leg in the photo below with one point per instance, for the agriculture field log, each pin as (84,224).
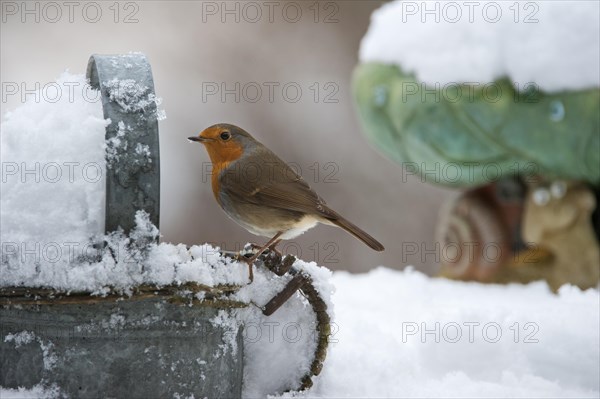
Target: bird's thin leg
(272,242)
(272,246)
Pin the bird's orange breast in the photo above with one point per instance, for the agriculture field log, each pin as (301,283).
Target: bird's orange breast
(216,185)
(221,157)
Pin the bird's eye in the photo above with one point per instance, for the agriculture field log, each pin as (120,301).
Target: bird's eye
(225,136)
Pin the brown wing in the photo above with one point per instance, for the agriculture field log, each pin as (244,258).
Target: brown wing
(264,179)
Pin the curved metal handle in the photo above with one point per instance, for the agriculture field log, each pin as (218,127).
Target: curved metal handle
(133,161)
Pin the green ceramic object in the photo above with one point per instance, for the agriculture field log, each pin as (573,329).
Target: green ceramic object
(470,135)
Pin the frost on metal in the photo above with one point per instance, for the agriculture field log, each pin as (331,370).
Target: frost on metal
(132,148)
(133,97)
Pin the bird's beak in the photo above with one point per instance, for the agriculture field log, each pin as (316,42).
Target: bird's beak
(199,138)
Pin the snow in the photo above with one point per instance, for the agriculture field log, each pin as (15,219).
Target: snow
(555,44)
(21,338)
(54,160)
(26,337)
(126,262)
(279,349)
(53,181)
(385,344)
(133,97)
(116,144)
(37,392)
(378,352)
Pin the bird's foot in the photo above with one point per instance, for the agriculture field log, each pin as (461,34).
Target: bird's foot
(270,257)
(251,250)
(249,253)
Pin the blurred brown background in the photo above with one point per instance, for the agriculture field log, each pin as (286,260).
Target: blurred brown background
(193,51)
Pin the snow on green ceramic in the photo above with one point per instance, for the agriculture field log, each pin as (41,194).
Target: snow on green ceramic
(469,135)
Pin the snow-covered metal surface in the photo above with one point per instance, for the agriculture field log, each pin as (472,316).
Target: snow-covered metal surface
(142,347)
(83,321)
(133,163)
(281,351)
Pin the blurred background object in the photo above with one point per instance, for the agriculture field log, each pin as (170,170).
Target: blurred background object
(527,151)
(193,53)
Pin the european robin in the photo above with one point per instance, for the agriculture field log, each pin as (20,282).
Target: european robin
(262,193)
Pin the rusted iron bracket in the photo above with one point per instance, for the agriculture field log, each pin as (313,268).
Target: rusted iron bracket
(302,282)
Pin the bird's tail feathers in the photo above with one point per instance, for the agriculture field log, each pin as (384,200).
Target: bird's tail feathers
(357,232)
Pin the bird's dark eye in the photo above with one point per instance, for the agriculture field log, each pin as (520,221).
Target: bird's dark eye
(225,136)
